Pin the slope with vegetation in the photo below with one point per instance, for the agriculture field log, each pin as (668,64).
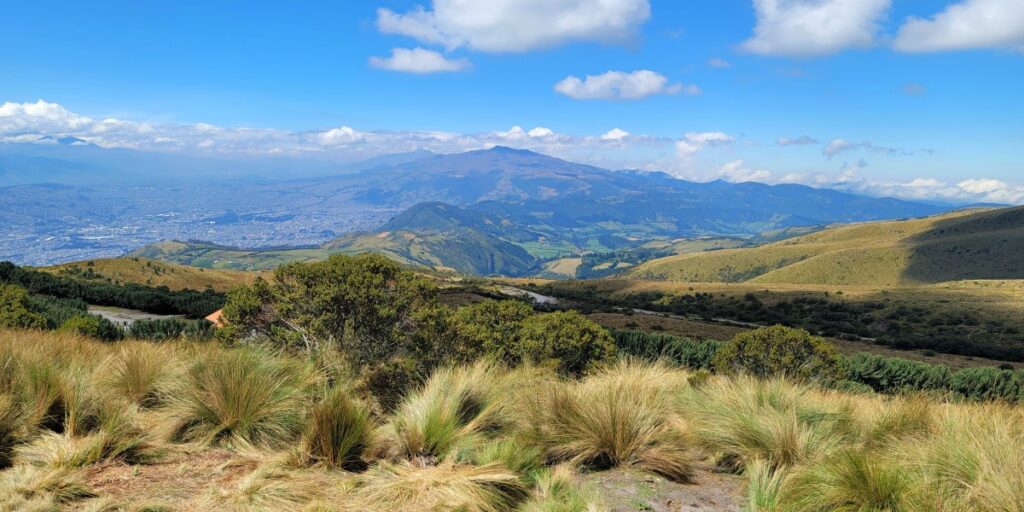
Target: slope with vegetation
(969,244)
(86,425)
(152,273)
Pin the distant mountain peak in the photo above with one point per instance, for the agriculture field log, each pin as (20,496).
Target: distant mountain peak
(64,141)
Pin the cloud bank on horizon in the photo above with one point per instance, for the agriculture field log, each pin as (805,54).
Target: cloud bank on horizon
(42,122)
(440,42)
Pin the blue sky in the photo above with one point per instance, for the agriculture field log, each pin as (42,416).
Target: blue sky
(897,92)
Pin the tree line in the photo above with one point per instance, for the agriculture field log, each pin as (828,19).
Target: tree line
(158,300)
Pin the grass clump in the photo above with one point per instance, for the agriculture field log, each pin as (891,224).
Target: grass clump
(557,491)
(621,416)
(743,420)
(338,431)
(242,398)
(27,487)
(456,408)
(445,486)
(139,372)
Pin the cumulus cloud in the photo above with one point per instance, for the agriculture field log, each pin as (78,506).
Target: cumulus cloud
(620,85)
(803,140)
(615,134)
(814,27)
(693,142)
(736,171)
(418,60)
(970,24)
(517,25)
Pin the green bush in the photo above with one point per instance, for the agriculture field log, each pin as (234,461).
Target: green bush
(695,354)
(568,340)
(93,326)
(14,309)
(780,351)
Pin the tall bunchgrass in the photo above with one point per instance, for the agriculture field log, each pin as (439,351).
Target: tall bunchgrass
(338,432)
(974,460)
(457,408)
(557,490)
(243,397)
(742,420)
(141,372)
(405,486)
(625,415)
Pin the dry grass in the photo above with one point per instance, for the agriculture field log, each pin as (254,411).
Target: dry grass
(621,416)
(408,487)
(156,273)
(75,414)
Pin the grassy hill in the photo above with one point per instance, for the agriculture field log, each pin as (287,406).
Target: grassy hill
(971,244)
(437,236)
(153,273)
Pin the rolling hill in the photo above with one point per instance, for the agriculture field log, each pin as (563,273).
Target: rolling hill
(969,244)
(433,235)
(153,273)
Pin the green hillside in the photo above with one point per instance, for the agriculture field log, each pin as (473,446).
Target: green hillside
(971,244)
(433,235)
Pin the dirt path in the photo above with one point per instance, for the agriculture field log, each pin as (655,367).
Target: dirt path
(711,491)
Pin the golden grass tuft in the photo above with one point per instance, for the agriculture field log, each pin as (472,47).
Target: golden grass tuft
(622,416)
(454,410)
(405,486)
(243,398)
(338,431)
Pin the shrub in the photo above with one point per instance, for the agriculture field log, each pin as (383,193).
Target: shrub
(779,351)
(337,431)
(14,309)
(93,326)
(240,397)
(683,351)
(568,340)
(621,416)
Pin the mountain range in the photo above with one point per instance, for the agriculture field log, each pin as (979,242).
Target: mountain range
(495,211)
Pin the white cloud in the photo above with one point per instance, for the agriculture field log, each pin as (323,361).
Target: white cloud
(837,146)
(615,134)
(620,85)
(693,142)
(719,63)
(737,172)
(517,25)
(970,24)
(540,131)
(418,60)
(803,140)
(814,27)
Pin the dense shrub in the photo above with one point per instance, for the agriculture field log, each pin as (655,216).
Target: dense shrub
(695,354)
(158,300)
(779,351)
(14,309)
(93,326)
(567,340)
(893,375)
